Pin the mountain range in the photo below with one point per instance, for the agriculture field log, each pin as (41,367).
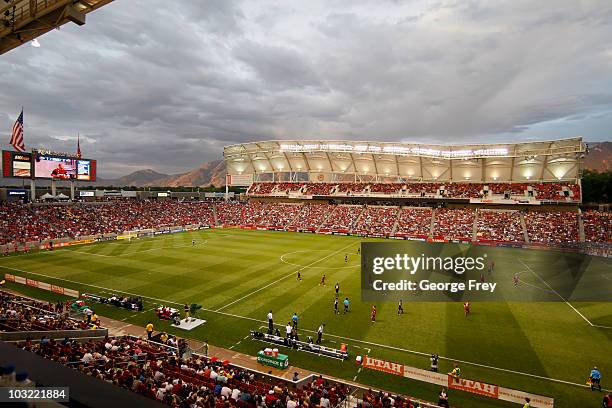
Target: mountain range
(213,172)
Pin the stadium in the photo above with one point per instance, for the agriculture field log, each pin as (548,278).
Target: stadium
(307,209)
(323,272)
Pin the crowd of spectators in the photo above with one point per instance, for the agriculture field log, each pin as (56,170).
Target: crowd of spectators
(597,226)
(376,221)
(456,223)
(196,381)
(311,216)
(541,191)
(552,227)
(25,223)
(21,223)
(499,226)
(414,222)
(21,314)
(278,215)
(342,219)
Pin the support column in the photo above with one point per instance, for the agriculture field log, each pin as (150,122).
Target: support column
(53,187)
(32,190)
(72,190)
(226,190)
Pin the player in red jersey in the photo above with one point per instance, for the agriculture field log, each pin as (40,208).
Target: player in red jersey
(466,308)
(373,314)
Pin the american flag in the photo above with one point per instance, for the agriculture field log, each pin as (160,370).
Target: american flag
(17,137)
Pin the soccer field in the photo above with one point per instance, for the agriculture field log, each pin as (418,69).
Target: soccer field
(239,275)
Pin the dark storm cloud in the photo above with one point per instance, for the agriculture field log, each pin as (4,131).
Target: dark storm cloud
(166,85)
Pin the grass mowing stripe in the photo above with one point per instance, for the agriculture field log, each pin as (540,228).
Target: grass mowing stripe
(284,277)
(328,334)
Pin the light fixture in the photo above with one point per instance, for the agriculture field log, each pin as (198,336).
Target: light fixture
(35,43)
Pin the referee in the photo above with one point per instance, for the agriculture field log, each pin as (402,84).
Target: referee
(595,379)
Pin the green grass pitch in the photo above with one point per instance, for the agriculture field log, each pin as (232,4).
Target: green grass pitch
(239,275)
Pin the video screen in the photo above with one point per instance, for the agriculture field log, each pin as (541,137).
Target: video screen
(16,164)
(64,168)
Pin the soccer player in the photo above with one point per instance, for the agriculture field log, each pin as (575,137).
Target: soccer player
(337,287)
(466,308)
(322,280)
(515,278)
(373,314)
(288,330)
(595,377)
(346,305)
(358,250)
(482,278)
(527,403)
(193,243)
(491,267)
(400,307)
(345,258)
(299,276)
(336,311)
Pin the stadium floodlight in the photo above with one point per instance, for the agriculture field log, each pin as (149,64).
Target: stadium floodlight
(35,43)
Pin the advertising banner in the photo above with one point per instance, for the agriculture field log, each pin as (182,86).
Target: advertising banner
(457,383)
(475,387)
(384,366)
(41,285)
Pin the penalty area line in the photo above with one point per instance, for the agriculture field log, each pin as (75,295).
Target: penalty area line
(369,343)
(561,297)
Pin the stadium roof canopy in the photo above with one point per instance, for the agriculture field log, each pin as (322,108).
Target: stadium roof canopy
(329,161)
(24,20)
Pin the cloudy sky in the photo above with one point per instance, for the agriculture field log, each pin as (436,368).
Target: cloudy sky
(166,84)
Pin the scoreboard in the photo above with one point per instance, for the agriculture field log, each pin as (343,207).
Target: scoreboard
(16,164)
(47,166)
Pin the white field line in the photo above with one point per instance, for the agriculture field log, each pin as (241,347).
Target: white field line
(561,297)
(65,251)
(284,277)
(529,284)
(419,353)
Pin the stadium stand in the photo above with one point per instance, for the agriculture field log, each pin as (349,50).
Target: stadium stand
(414,222)
(342,219)
(377,221)
(457,224)
(278,215)
(502,226)
(36,223)
(311,216)
(20,314)
(552,227)
(541,191)
(597,226)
